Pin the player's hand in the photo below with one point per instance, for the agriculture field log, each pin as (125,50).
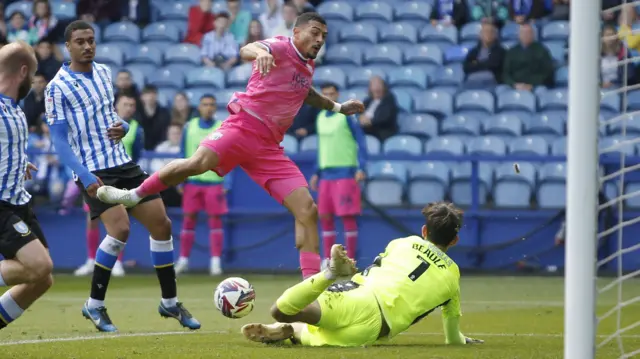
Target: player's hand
(92,189)
(116,132)
(360,176)
(351,107)
(313,183)
(30,167)
(468,340)
(265,62)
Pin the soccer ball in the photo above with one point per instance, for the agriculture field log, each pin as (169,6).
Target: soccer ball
(234,297)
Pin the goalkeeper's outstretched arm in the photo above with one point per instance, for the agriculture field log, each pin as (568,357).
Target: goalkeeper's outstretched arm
(451,314)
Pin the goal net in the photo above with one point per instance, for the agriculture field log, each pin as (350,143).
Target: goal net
(614,332)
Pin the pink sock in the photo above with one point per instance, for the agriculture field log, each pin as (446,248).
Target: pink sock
(120,256)
(93,240)
(328,235)
(187,236)
(152,185)
(309,264)
(351,235)
(216,236)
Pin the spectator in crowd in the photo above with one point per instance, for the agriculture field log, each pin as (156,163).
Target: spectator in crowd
(381,110)
(48,64)
(124,84)
(134,139)
(289,15)
(19,30)
(43,22)
(153,118)
(137,11)
(449,12)
(303,6)
(3,26)
(304,124)
(200,22)
(628,21)
(484,62)
(219,47)
(34,103)
(256,32)
(181,110)
(272,18)
(560,10)
(528,64)
(527,10)
(612,52)
(610,17)
(100,12)
(492,11)
(169,147)
(239,20)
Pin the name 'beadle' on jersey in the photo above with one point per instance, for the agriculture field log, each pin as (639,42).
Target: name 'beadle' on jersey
(432,255)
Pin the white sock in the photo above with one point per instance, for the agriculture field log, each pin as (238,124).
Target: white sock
(169,302)
(94,303)
(134,195)
(10,307)
(2,282)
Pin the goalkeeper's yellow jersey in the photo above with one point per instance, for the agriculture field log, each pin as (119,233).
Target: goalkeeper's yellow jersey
(410,280)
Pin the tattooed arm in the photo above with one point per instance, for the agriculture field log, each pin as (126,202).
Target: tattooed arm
(318,100)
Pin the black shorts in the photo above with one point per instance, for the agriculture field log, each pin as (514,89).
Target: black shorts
(126,176)
(18,227)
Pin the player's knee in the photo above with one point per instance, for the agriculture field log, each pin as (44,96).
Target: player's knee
(45,282)
(307,214)
(161,228)
(278,316)
(120,231)
(39,268)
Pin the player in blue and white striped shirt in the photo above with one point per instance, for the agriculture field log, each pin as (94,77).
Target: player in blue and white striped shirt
(86,133)
(26,266)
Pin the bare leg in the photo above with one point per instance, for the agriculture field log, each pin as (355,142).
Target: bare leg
(301,205)
(32,262)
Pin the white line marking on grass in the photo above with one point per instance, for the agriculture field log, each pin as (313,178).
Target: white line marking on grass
(104,336)
(534,335)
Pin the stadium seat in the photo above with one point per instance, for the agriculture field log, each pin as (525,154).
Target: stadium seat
(559,146)
(409,77)
(610,102)
(383,54)
(218,7)
(109,55)
(373,145)
(436,102)
(183,53)
(455,54)
(343,54)
(461,186)
(557,51)
(354,94)
(374,11)
(205,77)
(224,96)
(181,25)
(330,74)
(489,145)
(175,11)
(415,13)
(629,123)
(529,145)
(360,76)
(403,99)
(428,182)
(143,54)
(439,33)
(63,10)
(402,144)
(614,145)
(633,100)
(516,100)
(386,193)
(445,145)
(514,190)
(475,100)
(239,75)
(182,68)
(450,75)
(358,32)
(161,32)
(165,96)
(556,30)
(399,32)
(555,99)
(461,125)
(195,94)
(146,69)
(470,31)
(542,124)
(633,201)
(336,10)
(562,76)
(503,126)
(511,30)
(423,54)
(122,31)
(421,125)
(552,185)
(167,78)
(20,6)
(309,144)
(290,144)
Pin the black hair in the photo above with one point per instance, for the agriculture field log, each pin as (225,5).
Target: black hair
(42,74)
(127,93)
(443,221)
(76,25)
(150,88)
(329,84)
(307,17)
(124,71)
(223,14)
(207,96)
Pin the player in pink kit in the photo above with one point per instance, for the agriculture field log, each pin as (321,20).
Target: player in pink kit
(250,137)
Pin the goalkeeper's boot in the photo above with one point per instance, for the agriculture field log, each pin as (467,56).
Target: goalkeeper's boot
(179,313)
(112,195)
(340,264)
(99,318)
(269,333)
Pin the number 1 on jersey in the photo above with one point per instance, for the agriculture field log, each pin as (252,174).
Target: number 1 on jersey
(420,269)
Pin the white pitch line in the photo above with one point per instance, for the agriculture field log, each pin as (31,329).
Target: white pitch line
(101,337)
(530,335)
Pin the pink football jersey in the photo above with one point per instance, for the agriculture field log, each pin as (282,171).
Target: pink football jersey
(276,98)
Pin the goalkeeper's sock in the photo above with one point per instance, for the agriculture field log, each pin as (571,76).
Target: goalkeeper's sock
(298,297)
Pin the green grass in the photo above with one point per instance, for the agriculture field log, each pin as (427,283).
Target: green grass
(519,318)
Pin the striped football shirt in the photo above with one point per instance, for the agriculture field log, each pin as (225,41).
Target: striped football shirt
(13,152)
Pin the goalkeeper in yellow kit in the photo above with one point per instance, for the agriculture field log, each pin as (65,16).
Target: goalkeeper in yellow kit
(408,281)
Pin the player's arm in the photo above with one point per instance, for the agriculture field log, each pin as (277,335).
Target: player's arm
(251,51)
(138,145)
(318,100)
(451,314)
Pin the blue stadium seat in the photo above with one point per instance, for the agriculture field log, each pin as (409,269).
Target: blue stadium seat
(554,99)
(450,75)
(399,32)
(63,10)
(182,68)
(194,95)
(475,100)
(354,94)
(330,74)
(503,126)
(556,30)
(387,170)
(455,54)
(256,8)
(562,76)
(386,193)
(461,183)
(109,55)
(175,11)
(421,125)
(461,125)
(407,76)
(428,182)
(122,31)
(373,145)
(181,25)
(224,96)
(145,69)
(290,144)
(402,144)
(633,101)
(557,51)
(20,6)
(360,76)
(374,11)
(552,185)
(161,32)
(206,77)
(614,145)
(439,33)
(559,146)
(542,124)
(415,13)
(511,30)
(165,96)
(470,31)
(383,54)
(359,32)
(629,123)
(143,54)
(610,102)
(239,75)
(343,54)
(403,100)
(183,53)
(423,53)
(514,190)
(529,145)
(436,102)
(442,145)
(309,144)
(167,78)
(336,10)
(222,115)
(516,100)
(490,145)
(219,7)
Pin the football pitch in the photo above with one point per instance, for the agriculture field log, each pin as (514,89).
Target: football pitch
(519,317)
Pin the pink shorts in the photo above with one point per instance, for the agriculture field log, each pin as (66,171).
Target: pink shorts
(242,140)
(208,198)
(340,197)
